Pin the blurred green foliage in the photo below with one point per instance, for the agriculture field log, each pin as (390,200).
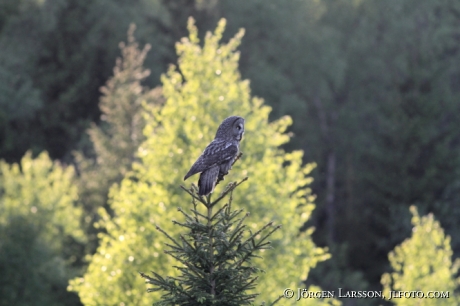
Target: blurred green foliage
(423,263)
(39,226)
(57,54)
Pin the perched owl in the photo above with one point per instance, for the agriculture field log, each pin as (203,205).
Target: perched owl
(219,155)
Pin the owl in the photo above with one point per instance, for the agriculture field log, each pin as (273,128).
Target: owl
(218,157)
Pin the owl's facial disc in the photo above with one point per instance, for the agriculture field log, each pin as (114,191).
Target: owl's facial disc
(239,131)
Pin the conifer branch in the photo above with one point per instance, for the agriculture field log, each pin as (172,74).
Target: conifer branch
(228,189)
(194,194)
(277,300)
(218,212)
(167,235)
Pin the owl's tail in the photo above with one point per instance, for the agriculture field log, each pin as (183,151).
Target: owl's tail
(207,181)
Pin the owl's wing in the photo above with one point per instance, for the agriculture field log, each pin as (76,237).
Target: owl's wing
(207,181)
(216,153)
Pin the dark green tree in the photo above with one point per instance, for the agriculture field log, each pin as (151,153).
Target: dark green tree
(412,120)
(59,53)
(216,254)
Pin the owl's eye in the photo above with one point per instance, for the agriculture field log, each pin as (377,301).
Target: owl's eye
(238,127)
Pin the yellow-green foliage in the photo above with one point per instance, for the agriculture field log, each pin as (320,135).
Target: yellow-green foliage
(43,193)
(38,226)
(204,90)
(423,263)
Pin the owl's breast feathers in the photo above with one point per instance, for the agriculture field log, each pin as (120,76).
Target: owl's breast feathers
(219,151)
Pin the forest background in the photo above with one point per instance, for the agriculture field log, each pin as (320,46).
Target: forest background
(372,87)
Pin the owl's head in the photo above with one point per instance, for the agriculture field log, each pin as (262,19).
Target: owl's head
(231,128)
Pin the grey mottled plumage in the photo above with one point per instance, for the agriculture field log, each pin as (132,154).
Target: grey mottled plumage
(219,155)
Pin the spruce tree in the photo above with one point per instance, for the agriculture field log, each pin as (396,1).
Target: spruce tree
(215,255)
